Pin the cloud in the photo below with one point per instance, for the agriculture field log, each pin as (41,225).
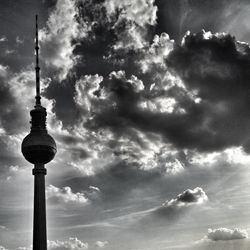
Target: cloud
(212,66)
(111,31)
(134,19)
(3,39)
(70,244)
(107,120)
(85,91)
(155,55)
(57,38)
(3,70)
(141,12)
(127,22)
(19,40)
(101,244)
(95,189)
(110,108)
(187,198)
(176,17)
(13,87)
(225,234)
(190,104)
(3,248)
(65,196)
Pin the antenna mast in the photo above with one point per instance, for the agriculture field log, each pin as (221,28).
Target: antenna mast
(37,68)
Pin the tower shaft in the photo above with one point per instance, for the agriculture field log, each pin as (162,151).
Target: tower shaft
(39,223)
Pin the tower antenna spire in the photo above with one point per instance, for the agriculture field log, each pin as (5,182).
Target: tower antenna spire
(38,97)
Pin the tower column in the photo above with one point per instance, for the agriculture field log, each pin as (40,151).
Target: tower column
(39,223)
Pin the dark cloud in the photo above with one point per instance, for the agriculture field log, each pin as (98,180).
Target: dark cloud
(188,197)
(216,67)
(174,208)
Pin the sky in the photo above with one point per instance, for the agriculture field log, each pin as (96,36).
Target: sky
(148,102)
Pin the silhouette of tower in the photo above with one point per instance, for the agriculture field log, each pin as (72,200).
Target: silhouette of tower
(39,148)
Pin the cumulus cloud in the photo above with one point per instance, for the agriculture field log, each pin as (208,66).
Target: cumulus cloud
(19,40)
(135,17)
(104,106)
(95,189)
(177,101)
(101,244)
(155,55)
(3,70)
(65,195)
(127,21)
(124,117)
(225,234)
(70,244)
(13,87)
(85,91)
(57,38)
(3,248)
(213,65)
(113,31)
(142,12)
(187,198)
(3,39)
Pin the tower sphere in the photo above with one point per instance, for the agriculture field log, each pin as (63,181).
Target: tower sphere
(38,148)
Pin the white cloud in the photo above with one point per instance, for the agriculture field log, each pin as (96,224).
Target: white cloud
(65,195)
(56,39)
(226,234)
(148,151)
(70,244)
(25,248)
(140,11)
(137,15)
(96,189)
(174,167)
(3,39)
(234,156)
(3,248)
(9,51)
(160,104)
(3,71)
(187,198)
(85,88)
(136,83)
(101,244)
(19,40)
(157,53)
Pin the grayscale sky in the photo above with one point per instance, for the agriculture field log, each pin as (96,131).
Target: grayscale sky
(149,103)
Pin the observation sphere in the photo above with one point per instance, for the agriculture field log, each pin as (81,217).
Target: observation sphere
(38,148)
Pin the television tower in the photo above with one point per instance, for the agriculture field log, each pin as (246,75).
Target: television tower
(39,148)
